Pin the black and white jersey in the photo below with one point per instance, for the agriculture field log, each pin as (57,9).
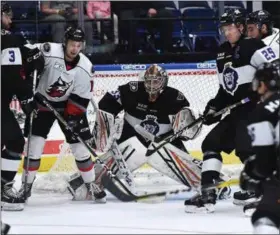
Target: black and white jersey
(236,68)
(153,116)
(273,39)
(263,129)
(13,80)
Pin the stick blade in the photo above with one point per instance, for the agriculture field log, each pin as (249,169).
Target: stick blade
(115,187)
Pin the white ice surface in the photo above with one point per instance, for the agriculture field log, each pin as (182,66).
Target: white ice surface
(52,213)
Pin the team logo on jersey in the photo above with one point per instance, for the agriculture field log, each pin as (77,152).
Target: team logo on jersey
(59,88)
(230,78)
(150,124)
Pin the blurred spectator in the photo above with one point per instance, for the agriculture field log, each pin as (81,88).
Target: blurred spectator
(165,28)
(102,10)
(143,9)
(65,11)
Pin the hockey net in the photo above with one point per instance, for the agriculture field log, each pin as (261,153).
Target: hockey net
(198,86)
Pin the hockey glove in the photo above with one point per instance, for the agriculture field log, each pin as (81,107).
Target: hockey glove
(249,179)
(35,60)
(208,113)
(28,106)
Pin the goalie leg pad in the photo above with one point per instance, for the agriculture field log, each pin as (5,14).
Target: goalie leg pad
(133,152)
(176,164)
(105,131)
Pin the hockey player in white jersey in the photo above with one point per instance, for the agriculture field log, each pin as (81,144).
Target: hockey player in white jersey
(67,83)
(260,26)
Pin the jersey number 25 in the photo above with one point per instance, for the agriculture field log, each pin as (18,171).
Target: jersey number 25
(268,53)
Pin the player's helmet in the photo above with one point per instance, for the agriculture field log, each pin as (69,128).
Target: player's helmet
(232,16)
(74,34)
(155,79)
(6,8)
(259,18)
(269,73)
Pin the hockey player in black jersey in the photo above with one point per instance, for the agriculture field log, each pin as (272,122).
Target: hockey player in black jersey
(237,59)
(17,63)
(159,109)
(259,25)
(262,169)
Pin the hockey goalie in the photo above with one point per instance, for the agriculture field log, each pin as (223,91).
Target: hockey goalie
(158,109)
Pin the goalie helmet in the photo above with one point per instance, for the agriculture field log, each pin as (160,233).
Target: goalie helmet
(260,18)
(269,73)
(155,79)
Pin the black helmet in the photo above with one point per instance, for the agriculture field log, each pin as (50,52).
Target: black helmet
(232,16)
(269,73)
(6,8)
(74,34)
(259,18)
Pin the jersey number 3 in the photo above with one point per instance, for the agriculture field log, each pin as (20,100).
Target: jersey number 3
(268,53)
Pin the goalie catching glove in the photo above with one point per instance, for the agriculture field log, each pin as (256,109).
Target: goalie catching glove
(182,119)
(106,130)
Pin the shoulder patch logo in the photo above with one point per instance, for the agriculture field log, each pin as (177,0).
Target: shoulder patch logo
(133,86)
(46,47)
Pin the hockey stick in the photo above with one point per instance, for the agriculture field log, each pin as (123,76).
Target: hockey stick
(129,197)
(29,136)
(170,136)
(110,175)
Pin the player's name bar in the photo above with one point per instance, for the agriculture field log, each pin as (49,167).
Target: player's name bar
(176,66)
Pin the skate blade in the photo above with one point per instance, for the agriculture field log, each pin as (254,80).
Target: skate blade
(206,209)
(244,202)
(12,206)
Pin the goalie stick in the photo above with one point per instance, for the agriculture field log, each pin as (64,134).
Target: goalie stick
(126,196)
(109,176)
(170,136)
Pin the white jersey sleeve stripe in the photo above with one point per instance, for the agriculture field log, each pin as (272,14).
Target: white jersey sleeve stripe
(261,133)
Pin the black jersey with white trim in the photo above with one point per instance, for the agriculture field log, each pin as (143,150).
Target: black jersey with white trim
(153,116)
(236,68)
(13,80)
(263,129)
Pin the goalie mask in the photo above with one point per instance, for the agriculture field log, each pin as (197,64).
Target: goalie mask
(155,80)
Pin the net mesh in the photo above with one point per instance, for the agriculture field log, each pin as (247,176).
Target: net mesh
(198,86)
